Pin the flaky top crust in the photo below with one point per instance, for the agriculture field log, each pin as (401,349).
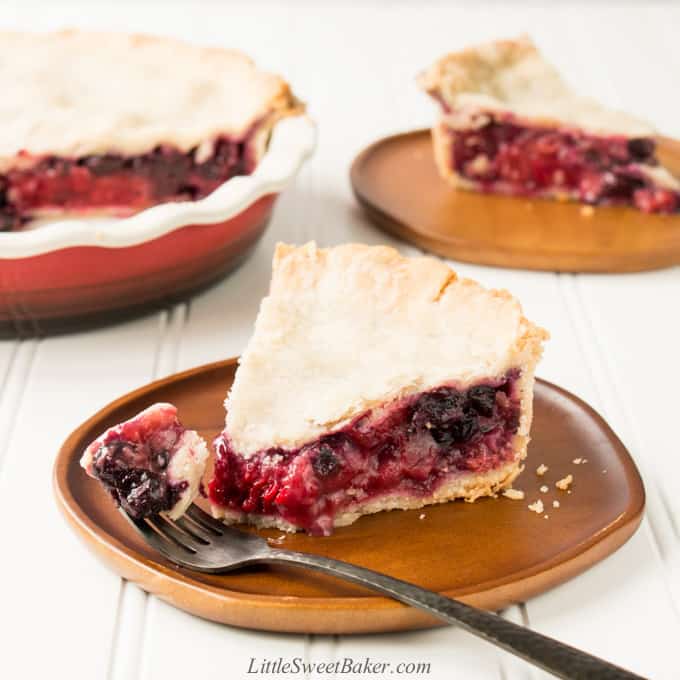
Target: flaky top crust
(76,93)
(511,76)
(346,329)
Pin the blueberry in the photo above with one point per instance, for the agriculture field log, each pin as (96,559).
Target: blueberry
(326,463)
(435,409)
(641,148)
(144,493)
(592,156)
(442,435)
(8,220)
(113,460)
(104,165)
(443,414)
(139,491)
(4,201)
(55,165)
(465,429)
(191,191)
(621,185)
(482,399)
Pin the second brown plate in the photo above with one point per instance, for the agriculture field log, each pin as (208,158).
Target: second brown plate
(395,180)
(489,553)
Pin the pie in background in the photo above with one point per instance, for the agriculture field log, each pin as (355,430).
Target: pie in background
(110,124)
(511,125)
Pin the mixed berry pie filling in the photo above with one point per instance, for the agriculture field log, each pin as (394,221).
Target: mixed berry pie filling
(149,464)
(503,156)
(409,447)
(118,184)
(136,477)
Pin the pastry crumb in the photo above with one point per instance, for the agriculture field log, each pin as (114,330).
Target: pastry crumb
(422,516)
(514,494)
(587,211)
(564,483)
(556,504)
(544,489)
(278,540)
(579,461)
(546,516)
(537,507)
(541,470)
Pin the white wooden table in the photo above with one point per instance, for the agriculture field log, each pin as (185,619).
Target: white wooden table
(615,343)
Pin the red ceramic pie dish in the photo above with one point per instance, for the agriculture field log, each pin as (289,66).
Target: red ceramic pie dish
(75,272)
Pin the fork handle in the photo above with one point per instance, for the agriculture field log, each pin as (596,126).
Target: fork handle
(545,652)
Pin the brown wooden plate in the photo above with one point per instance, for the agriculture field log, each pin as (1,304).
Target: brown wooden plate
(489,553)
(395,180)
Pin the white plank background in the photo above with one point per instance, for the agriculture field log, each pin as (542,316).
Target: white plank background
(615,342)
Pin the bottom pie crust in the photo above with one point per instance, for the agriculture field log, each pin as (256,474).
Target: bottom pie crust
(467,486)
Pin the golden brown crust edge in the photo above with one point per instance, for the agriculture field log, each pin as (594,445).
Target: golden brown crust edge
(284,105)
(442,145)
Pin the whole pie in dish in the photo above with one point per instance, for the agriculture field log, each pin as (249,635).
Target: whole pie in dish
(511,125)
(373,382)
(105,123)
(149,464)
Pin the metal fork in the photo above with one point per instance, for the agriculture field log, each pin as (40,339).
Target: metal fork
(199,542)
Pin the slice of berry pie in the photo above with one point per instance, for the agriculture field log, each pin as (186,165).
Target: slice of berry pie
(511,125)
(149,464)
(104,123)
(373,382)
